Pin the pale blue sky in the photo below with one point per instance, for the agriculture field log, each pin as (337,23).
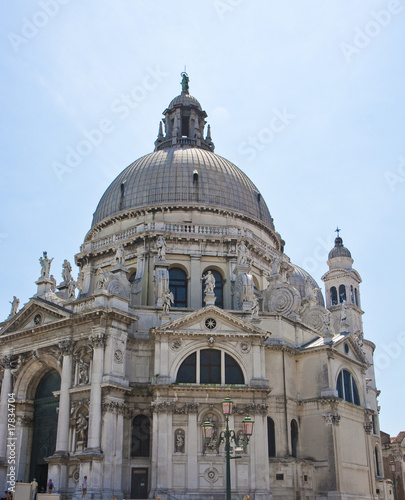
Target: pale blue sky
(333,70)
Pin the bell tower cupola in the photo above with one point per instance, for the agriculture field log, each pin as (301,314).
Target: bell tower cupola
(184,122)
(342,288)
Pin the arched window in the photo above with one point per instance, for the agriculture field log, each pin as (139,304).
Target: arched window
(378,465)
(140,445)
(342,293)
(356,297)
(294,437)
(178,286)
(333,296)
(347,388)
(271,438)
(215,367)
(218,290)
(351,294)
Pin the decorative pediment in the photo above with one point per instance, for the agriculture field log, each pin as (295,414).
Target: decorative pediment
(212,320)
(354,347)
(38,312)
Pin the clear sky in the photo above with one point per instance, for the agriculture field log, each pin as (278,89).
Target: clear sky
(104,70)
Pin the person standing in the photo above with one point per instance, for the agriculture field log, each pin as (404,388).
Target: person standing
(84,487)
(34,488)
(50,486)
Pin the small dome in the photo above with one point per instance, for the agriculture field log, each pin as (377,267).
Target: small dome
(298,280)
(339,250)
(184,100)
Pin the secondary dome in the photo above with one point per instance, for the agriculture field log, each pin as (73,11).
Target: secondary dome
(183,170)
(183,175)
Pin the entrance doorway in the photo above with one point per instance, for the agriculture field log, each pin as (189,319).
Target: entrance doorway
(139,483)
(45,425)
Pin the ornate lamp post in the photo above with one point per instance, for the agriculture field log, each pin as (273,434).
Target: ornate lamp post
(227,436)
(393,470)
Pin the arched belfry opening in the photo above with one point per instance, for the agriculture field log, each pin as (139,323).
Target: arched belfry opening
(45,426)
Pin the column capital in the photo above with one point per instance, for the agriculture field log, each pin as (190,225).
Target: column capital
(6,362)
(97,338)
(66,346)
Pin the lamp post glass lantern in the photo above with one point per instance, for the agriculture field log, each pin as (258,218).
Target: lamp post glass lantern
(226,437)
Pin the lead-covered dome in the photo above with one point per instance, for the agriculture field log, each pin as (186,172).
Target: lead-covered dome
(183,175)
(183,170)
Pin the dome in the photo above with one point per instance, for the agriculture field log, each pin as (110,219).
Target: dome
(185,175)
(299,278)
(184,100)
(339,250)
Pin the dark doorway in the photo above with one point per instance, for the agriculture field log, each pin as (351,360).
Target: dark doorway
(139,483)
(45,426)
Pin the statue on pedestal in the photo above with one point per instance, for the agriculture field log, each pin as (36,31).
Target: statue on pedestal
(255,308)
(161,248)
(168,298)
(244,254)
(209,281)
(66,271)
(14,306)
(120,256)
(53,286)
(81,428)
(45,265)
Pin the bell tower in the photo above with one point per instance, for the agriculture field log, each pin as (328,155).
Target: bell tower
(342,289)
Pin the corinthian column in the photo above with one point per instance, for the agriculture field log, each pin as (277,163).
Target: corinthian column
(94,436)
(6,389)
(62,436)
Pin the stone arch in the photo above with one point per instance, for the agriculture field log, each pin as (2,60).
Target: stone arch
(31,373)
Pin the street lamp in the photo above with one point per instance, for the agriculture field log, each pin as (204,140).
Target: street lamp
(393,470)
(227,436)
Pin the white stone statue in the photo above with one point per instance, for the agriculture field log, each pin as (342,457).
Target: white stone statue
(72,288)
(275,266)
(14,306)
(83,372)
(242,253)
(66,271)
(120,256)
(179,441)
(53,286)
(168,298)
(343,312)
(80,279)
(81,428)
(255,308)
(45,265)
(161,248)
(101,280)
(209,281)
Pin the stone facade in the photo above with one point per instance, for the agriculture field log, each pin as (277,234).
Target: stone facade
(185,296)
